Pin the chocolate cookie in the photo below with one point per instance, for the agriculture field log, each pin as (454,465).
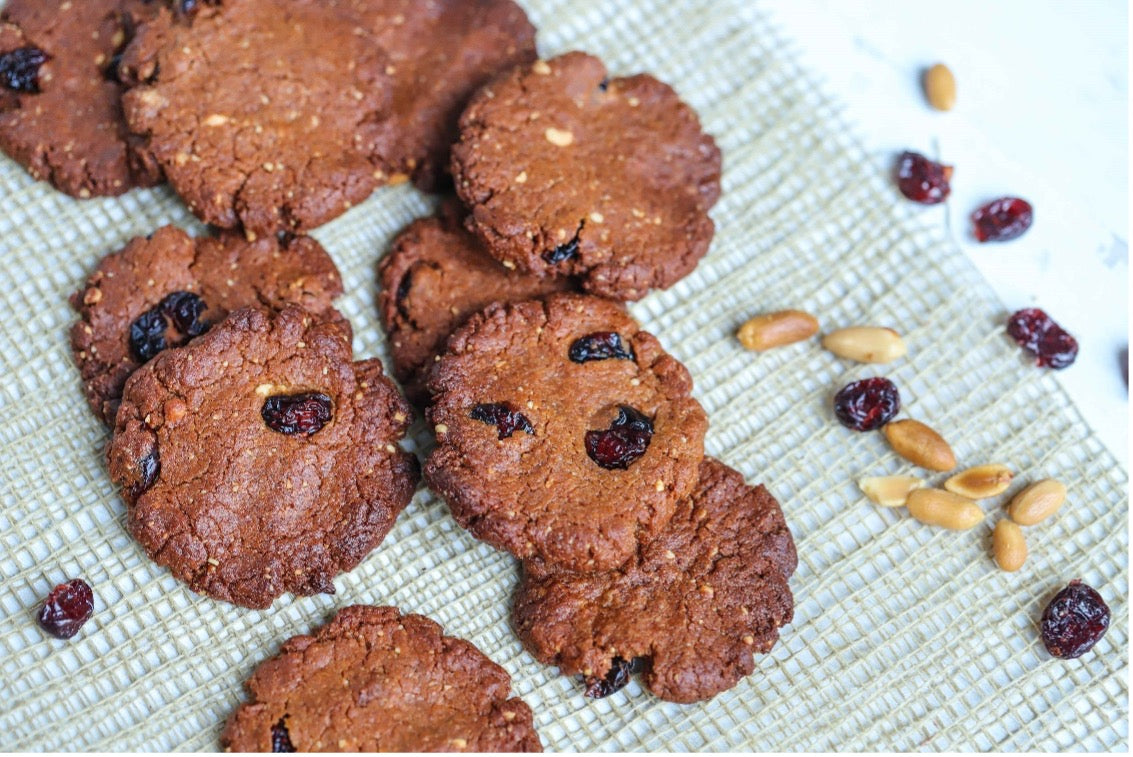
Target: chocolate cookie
(434,277)
(691,607)
(262,113)
(162,290)
(258,459)
(440,53)
(569,172)
(564,432)
(374,680)
(60,115)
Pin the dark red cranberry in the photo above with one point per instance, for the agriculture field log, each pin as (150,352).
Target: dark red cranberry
(1074,621)
(184,309)
(147,335)
(923,180)
(601,345)
(1036,332)
(1002,220)
(293,414)
(563,252)
(616,678)
(66,608)
(626,440)
(148,468)
(281,738)
(504,416)
(867,404)
(19,69)
(148,331)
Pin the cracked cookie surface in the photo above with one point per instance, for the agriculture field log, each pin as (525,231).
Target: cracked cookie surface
(259,458)
(435,276)
(374,680)
(697,602)
(60,111)
(129,287)
(262,113)
(569,172)
(557,453)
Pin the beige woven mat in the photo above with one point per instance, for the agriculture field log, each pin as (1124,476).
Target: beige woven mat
(905,637)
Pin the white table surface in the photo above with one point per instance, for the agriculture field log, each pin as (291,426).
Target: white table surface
(1041,113)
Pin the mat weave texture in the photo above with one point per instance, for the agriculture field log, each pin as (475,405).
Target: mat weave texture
(904,637)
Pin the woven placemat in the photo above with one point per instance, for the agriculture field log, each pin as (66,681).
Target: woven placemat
(905,637)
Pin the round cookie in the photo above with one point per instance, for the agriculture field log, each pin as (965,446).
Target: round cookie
(163,289)
(374,680)
(440,53)
(258,459)
(435,276)
(691,607)
(262,113)
(569,172)
(564,432)
(60,111)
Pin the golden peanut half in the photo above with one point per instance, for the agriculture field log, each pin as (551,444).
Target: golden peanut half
(1008,546)
(920,445)
(777,329)
(1037,502)
(980,482)
(866,344)
(937,507)
(940,87)
(889,491)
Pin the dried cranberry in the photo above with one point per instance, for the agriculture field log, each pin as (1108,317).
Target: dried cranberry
(148,331)
(66,608)
(19,69)
(1074,621)
(867,404)
(616,678)
(184,309)
(601,345)
(506,418)
(147,335)
(148,468)
(923,180)
(1002,220)
(563,252)
(292,414)
(1037,332)
(623,443)
(281,738)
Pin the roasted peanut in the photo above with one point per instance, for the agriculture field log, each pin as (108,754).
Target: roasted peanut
(937,507)
(980,482)
(920,445)
(866,344)
(940,87)
(1037,502)
(1008,546)
(889,491)
(777,329)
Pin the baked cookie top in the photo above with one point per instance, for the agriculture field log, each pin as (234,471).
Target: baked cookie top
(691,607)
(435,275)
(564,432)
(374,680)
(440,53)
(569,172)
(262,113)
(259,459)
(60,115)
(162,290)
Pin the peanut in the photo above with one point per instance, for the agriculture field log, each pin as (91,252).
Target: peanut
(1008,546)
(940,87)
(1037,502)
(777,329)
(980,482)
(920,445)
(889,491)
(937,507)
(866,344)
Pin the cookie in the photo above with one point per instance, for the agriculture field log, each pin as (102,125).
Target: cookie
(259,459)
(60,115)
(569,172)
(691,607)
(435,276)
(440,53)
(161,290)
(374,680)
(262,113)
(564,432)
